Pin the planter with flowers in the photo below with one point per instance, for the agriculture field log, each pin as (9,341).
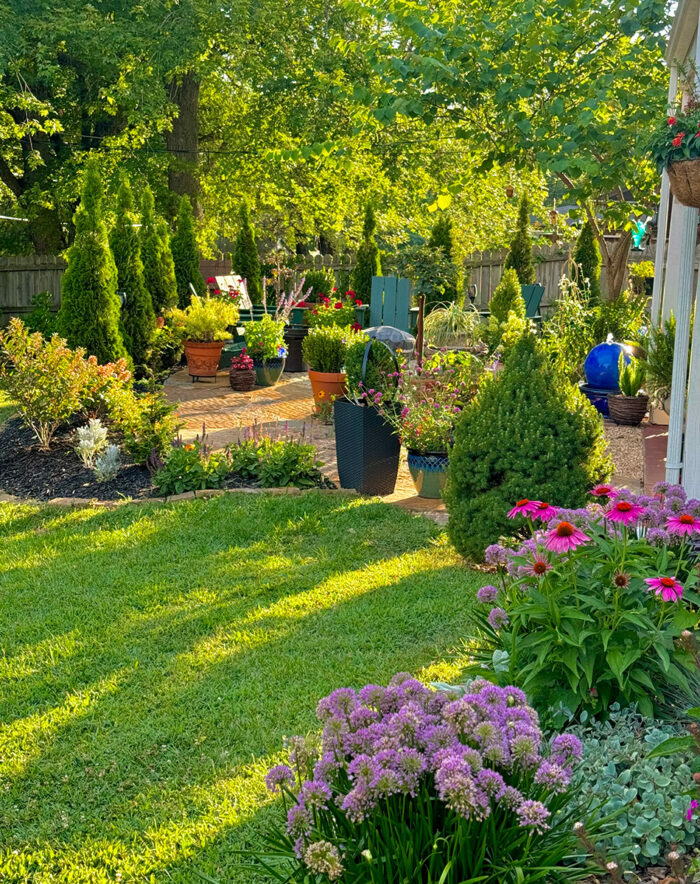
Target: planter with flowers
(324,351)
(676,148)
(367,449)
(264,340)
(629,406)
(341,311)
(241,374)
(204,327)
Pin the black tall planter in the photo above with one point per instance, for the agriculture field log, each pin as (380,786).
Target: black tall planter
(294,338)
(366,447)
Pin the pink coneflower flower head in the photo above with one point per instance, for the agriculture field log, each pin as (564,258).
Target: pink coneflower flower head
(537,567)
(604,491)
(668,588)
(683,523)
(621,580)
(564,536)
(523,508)
(543,510)
(624,512)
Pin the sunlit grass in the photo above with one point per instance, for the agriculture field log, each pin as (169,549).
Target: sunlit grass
(152,658)
(6,407)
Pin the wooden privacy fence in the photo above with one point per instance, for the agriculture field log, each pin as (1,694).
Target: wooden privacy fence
(23,277)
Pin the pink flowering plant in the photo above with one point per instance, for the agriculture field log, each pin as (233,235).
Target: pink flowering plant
(597,605)
(428,787)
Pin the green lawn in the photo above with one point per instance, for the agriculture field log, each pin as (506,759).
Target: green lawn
(6,408)
(152,658)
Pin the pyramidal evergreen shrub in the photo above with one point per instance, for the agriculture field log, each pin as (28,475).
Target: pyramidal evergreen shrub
(441,238)
(186,255)
(246,262)
(587,257)
(520,255)
(138,316)
(156,256)
(368,263)
(527,434)
(89,314)
(507,297)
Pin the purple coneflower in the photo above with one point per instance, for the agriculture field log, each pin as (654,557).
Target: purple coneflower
(523,508)
(564,536)
(684,523)
(604,491)
(543,510)
(668,588)
(537,567)
(624,512)
(621,580)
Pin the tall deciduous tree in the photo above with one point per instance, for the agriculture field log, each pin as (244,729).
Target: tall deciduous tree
(186,255)
(138,316)
(157,258)
(89,314)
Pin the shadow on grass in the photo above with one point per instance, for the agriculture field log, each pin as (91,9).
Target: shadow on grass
(183,659)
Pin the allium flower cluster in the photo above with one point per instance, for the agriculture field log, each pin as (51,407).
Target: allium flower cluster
(482,751)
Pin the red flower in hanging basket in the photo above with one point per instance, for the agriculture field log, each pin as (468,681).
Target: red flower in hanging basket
(678,139)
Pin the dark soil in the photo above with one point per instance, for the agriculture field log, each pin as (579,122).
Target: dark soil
(25,471)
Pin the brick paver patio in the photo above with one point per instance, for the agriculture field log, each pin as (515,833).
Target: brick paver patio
(285,408)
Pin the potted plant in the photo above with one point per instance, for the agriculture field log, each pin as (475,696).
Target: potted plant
(324,351)
(204,325)
(630,405)
(264,340)
(367,449)
(241,374)
(676,148)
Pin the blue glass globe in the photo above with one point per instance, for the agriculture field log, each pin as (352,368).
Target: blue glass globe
(601,365)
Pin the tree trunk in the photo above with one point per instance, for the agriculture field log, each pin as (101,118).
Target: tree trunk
(183,140)
(615,263)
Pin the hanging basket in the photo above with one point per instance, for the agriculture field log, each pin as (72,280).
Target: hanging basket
(684,178)
(628,410)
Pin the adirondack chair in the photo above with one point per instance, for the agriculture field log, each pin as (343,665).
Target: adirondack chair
(532,295)
(390,302)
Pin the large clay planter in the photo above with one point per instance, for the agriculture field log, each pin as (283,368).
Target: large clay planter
(269,372)
(429,473)
(327,386)
(203,358)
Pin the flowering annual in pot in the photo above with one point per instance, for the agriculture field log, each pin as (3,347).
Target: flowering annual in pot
(334,310)
(242,372)
(597,604)
(416,786)
(264,339)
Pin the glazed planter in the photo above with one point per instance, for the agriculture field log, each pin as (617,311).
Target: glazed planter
(327,386)
(684,179)
(294,338)
(362,315)
(298,315)
(203,358)
(242,380)
(628,410)
(429,472)
(267,373)
(366,447)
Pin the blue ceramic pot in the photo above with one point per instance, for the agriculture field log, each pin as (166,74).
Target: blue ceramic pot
(429,473)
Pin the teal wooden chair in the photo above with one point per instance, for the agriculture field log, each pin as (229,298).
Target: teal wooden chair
(390,302)
(532,295)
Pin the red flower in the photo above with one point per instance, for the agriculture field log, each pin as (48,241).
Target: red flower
(210,279)
(358,301)
(338,305)
(671,121)
(678,139)
(356,326)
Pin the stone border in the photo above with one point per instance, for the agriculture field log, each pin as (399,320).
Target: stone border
(174,498)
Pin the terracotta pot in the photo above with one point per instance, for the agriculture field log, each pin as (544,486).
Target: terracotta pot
(628,410)
(327,386)
(203,358)
(242,380)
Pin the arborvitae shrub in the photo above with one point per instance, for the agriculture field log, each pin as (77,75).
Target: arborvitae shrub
(368,263)
(520,255)
(186,255)
(89,314)
(507,296)
(527,434)
(441,236)
(587,257)
(137,316)
(156,256)
(321,282)
(246,262)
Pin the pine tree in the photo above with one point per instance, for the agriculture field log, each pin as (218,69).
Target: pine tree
(246,262)
(89,314)
(520,255)
(186,255)
(156,256)
(368,262)
(587,257)
(138,317)
(528,433)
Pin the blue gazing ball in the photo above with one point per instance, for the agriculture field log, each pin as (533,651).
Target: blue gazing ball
(601,365)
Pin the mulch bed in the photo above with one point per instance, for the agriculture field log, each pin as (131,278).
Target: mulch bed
(25,471)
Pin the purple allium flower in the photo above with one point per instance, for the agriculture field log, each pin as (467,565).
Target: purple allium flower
(458,789)
(358,803)
(512,798)
(299,820)
(340,703)
(552,776)
(492,783)
(461,715)
(279,775)
(495,554)
(326,766)
(323,858)
(565,749)
(658,537)
(487,595)
(533,815)
(315,794)
(497,618)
